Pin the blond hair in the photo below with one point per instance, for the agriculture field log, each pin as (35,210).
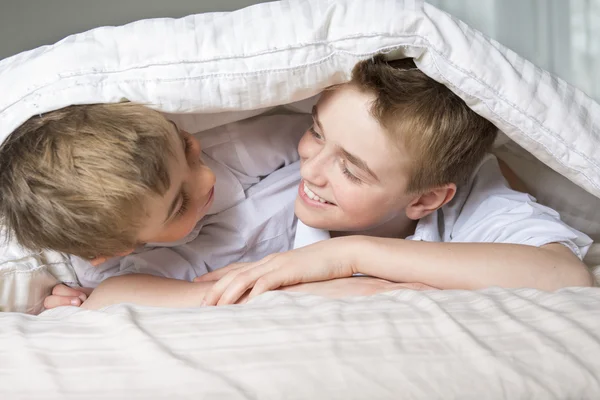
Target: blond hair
(443,136)
(77,180)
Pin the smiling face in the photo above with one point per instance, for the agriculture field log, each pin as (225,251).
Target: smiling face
(174,215)
(354,177)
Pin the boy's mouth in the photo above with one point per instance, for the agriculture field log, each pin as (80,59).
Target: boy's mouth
(311,197)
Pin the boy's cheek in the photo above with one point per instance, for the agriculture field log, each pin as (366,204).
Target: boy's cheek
(175,231)
(358,208)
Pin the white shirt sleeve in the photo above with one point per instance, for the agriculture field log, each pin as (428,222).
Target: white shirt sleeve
(492,212)
(162,261)
(256,147)
(261,224)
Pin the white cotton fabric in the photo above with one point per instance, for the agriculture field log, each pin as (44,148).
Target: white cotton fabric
(577,207)
(492,344)
(257,168)
(485,210)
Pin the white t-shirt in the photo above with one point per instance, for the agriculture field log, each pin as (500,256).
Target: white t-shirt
(257,169)
(486,210)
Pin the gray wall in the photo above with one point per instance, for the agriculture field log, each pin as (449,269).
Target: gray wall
(27,24)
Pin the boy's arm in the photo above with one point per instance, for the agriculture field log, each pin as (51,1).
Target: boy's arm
(468,266)
(471,266)
(155,291)
(147,290)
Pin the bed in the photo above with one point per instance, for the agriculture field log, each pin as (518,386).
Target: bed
(494,343)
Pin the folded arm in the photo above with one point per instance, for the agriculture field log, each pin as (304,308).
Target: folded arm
(155,291)
(467,266)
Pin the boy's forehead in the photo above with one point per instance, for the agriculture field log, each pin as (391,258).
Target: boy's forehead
(345,114)
(176,138)
(334,93)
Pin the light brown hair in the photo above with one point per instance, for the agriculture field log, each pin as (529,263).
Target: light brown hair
(76,180)
(443,136)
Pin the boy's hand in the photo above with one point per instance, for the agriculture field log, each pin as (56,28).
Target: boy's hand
(62,295)
(321,261)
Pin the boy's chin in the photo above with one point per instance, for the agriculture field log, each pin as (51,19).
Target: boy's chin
(318,222)
(311,221)
(328,220)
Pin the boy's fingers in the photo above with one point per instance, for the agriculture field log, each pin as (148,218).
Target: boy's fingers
(229,283)
(245,281)
(261,286)
(235,283)
(219,273)
(274,279)
(64,290)
(216,291)
(236,290)
(59,301)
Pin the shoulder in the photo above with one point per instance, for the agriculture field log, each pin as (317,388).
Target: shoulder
(487,203)
(486,188)
(488,210)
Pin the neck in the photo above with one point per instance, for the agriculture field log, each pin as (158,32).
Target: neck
(398,227)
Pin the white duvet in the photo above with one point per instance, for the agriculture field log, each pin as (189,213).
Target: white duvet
(519,344)
(493,344)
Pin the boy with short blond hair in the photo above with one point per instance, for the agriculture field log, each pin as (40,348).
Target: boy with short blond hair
(75,180)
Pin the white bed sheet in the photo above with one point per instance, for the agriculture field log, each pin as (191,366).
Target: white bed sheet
(492,344)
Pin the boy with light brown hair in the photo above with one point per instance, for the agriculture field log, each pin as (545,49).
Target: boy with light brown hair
(396,168)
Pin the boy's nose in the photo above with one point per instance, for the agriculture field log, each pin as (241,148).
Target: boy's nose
(195,146)
(209,178)
(206,180)
(312,170)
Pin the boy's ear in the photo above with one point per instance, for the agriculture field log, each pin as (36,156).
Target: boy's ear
(101,259)
(428,202)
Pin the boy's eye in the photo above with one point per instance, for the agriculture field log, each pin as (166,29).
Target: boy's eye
(185,202)
(315,134)
(188,143)
(351,177)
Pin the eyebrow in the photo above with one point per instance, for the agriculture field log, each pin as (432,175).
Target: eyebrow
(179,134)
(173,207)
(315,116)
(349,156)
(360,164)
